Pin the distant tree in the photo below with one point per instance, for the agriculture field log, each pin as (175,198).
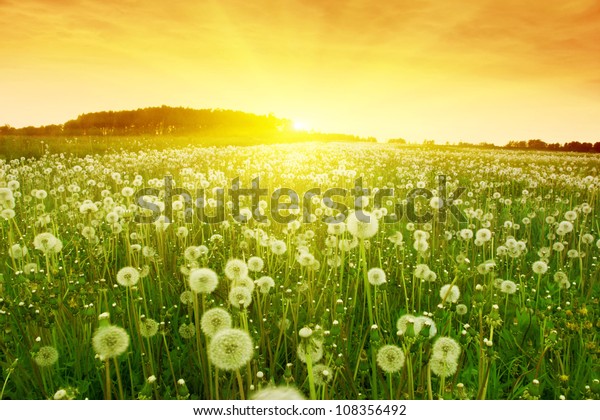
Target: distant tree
(536,144)
(7,129)
(398,140)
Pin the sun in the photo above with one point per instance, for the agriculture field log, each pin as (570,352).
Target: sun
(300,125)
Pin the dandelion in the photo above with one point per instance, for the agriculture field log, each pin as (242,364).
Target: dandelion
(187,331)
(278,247)
(6,194)
(425,326)
(47,243)
(203,280)
(265,284)
(564,227)
(560,276)
(305,332)
(230,349)
(421,271)
(46,356)
(465,234)
(396,238)
(148,327)
(421,245)
(17,251)
(376,276)
(403,322)
(186,297)
(573,253)
(363,225)
(7,214)
(508,286)
(148,252)
(539,267)
(443,367)
(255,264)
(390,358)
(483,235)
(244,282)
(192,253)
(322,374)
(446,348)
(570,216)
(461,309)
(587,238)
(61,394)
(436,203)
(240,297)
(182,232)
(450,293)
(430,277)
(236,269)
(278,393)
(128,276)
(312,347)
(215,320)
(110,341)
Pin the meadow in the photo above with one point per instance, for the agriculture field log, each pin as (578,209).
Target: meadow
(500,305)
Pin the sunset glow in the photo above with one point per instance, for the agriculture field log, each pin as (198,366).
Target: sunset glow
(450,71)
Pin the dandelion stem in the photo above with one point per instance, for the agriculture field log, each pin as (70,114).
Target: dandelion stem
(107,391)
(240,384)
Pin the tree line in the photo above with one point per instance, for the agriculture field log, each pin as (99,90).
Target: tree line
(164,120)
(534,144)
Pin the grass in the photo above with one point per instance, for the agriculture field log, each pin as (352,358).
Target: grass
(540,342)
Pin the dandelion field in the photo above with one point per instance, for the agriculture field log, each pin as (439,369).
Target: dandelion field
(503,305)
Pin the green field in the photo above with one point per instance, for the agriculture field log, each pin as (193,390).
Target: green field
(502,304)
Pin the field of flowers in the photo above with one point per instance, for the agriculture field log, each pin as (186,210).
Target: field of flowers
(500,303)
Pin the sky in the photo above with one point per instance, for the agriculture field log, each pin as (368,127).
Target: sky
(462,70)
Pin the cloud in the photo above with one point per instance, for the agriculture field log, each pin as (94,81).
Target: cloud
(394,57)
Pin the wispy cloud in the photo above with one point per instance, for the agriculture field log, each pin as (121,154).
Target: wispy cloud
(298,55)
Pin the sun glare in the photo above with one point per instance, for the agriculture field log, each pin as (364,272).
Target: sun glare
(300,125)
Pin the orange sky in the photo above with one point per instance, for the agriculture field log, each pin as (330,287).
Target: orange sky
(485,70)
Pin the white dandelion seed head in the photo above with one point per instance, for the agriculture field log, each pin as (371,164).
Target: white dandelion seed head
(447,348)
(240,297)
(46,356)
(539,267)
(236,269)
(362,224)
(508,287)
(148,327)
(443,367)
(128,276)
(214,320)
(450,293)
(230,349)
(186,297)
(314,348)
(110,341)
(376,276)
(390,358)
(283,392)
(265,284)
(203,280)
(246,282)
(255,264)
(187,331)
